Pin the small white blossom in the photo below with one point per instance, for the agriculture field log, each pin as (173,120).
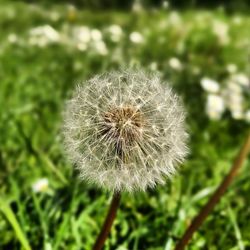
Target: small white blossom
(41,185)
(96,35)
(82,46)
(210,85)
(137,6)
(231,68)
(12,38)
(82,34)
(43,35)
(153,66)
(237,115)
(136,37)
(101,48)
(175,18)
(247,116)
(175,63)
(233,87)
(115,32)
(214,106)
(220,29)
(165,5)
(241,78)
(237,20)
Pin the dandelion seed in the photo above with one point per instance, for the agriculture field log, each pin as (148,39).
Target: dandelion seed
(125,131)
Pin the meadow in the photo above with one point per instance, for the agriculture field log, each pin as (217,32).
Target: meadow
(46,50)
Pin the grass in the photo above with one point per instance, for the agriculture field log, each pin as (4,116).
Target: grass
(36,81)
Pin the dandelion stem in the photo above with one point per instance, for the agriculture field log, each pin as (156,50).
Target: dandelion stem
(108,222)
(199,219)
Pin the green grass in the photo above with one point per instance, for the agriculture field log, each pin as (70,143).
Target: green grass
(34,84)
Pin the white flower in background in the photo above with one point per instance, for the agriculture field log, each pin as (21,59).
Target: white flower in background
(231,68)
(242,79)
(96,35)
(153,66)
(234,100)
(82,46)
(43,35)
(175,63)
(115,32)
(136,37)
(237,114)
(41,185)
(101,48)
(196,70)
(247,116)
(220,29)
(82,34)
(137,6)
(174,18)
(12,38)
(165,5)
(210,85)
(54,16)
(214,106)
(237,20)
(233,87)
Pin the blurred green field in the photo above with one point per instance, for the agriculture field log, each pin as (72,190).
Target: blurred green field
(45,52)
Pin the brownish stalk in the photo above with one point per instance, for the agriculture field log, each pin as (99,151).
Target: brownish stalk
(198,220)
(108,222)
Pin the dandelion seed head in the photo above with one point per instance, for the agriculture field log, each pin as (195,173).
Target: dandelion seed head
(125,131)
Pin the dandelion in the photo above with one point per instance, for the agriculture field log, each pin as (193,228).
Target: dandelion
(209,85)
(40,185)
(125,131)
(136,37)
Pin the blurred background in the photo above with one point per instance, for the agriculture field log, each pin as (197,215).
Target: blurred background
(202,48)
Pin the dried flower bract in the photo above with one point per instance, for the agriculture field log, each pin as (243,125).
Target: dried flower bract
(125,130)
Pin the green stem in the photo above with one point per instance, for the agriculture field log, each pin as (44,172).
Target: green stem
(108,222)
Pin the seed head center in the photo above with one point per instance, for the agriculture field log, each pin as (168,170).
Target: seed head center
(123,124)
